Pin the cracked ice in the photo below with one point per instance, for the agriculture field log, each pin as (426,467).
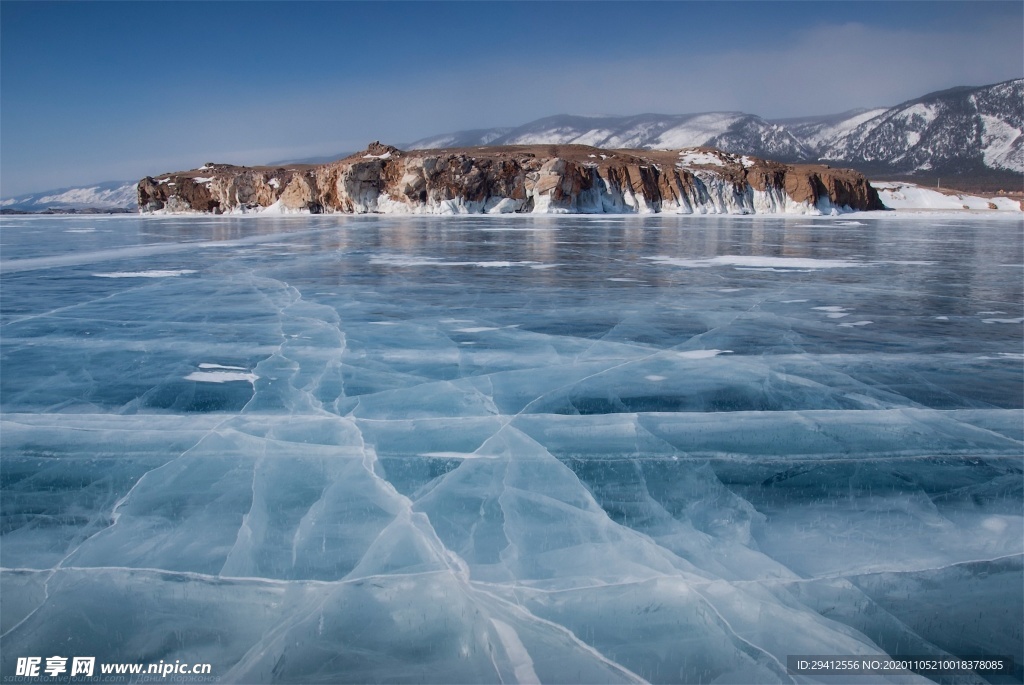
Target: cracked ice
(543,449)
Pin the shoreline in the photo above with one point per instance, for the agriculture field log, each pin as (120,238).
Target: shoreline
(886,214)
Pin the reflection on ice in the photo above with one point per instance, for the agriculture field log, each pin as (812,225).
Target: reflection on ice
(333,449)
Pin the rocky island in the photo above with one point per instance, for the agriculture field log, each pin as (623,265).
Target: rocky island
(516,179)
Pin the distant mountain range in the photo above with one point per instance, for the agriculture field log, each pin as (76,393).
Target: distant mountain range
(961,132)
(729,131)
(110,195)
(956,131)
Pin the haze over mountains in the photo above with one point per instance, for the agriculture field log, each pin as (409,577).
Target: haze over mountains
(961,132)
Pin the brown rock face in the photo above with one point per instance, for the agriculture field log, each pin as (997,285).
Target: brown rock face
(181,194)
(549,178)
(844,187)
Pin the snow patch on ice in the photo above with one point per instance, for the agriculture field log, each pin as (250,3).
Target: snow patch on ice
(757,261)
(156,273)
(996,524)
(221,377)
(701,354)
(402,260)
(456,455)
(522,664)
(906,262)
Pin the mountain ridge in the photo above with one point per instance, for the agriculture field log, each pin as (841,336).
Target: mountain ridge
(959,130)
(895,140)
(970,134)
(106,195)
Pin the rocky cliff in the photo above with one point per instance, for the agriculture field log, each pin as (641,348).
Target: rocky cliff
(516,178)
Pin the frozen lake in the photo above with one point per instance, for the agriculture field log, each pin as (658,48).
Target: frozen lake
(566,449)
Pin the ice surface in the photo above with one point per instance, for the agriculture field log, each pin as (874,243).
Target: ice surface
(510,449)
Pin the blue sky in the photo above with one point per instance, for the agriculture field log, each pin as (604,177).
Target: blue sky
(93,91)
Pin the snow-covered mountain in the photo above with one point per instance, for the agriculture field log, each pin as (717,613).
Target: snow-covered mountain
(815,132)
(958,130)
(961,130)
(969,131)
(730,131)
(105,196)
(479,136)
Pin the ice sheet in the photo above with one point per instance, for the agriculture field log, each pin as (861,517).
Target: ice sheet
(359,449)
